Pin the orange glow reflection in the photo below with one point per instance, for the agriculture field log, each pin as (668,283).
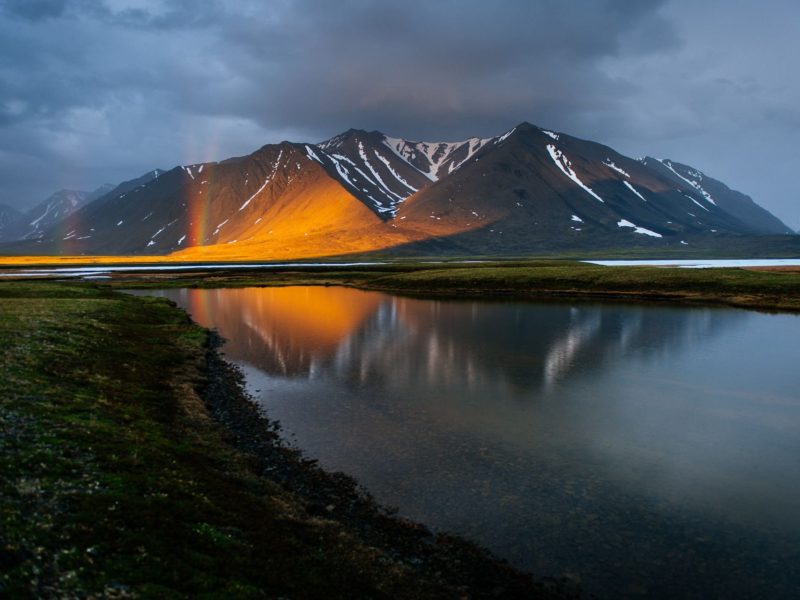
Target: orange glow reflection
(285,329)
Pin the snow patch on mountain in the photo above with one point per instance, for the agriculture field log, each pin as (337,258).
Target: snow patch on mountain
(435,154)
(57,206)
(504,137)
(383,187)
(696,202)
(35,222)
(637,229)
(220,226)
(397,176)
(633,189)
(341,157)
(266,181)
(565,165)
(313,155)
(367,177)
(610,164)
(696,185)
(342,169)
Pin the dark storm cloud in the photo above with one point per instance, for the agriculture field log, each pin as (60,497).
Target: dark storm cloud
(432,68)
(34,10)
(93,91)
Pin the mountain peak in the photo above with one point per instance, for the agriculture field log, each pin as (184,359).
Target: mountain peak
(527,126)
(529,129)
(350,134)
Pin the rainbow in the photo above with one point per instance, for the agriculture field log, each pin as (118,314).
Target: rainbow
(197,203)
(71,229)
(197,210)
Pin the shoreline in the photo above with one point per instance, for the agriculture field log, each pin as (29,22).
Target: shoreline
(135,464)
(774,288)
(764,289)
(436,555)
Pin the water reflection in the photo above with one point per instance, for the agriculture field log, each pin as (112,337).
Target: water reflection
(367,336)
(644,448)
(283,331)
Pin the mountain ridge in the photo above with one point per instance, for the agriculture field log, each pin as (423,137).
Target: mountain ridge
(35,221)
(526,190)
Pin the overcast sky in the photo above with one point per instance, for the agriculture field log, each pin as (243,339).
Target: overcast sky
(95,91)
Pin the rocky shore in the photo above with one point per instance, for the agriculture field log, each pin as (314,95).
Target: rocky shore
(459,566)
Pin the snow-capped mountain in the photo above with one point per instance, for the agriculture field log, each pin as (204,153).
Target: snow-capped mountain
(719,194)
(56,209)
(527,190)
(371,169)
(383,171)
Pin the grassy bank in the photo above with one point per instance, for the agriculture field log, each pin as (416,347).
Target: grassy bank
(747,288)
(132,466)
(776,290)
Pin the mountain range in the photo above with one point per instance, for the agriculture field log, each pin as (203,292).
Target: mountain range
(528,190)
(34,222)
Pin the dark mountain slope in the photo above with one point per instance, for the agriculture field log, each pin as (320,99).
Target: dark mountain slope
(741,206)
(536,190)
(528,190)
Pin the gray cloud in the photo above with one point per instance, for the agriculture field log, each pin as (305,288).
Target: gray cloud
(101,91)
(34,10)
(432,68)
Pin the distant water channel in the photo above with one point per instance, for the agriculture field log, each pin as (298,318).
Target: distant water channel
(643,450)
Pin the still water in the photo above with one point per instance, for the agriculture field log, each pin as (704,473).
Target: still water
(638,449)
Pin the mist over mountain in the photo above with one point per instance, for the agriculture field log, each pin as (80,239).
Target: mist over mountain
(44,216)
(526,190)
(10,221)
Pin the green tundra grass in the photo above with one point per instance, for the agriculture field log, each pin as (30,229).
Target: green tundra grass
(542,279)
(115,480)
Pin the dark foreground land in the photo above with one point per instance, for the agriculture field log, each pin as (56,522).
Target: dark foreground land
(132,465)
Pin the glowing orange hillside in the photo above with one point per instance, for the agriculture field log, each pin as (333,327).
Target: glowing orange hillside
(313,218)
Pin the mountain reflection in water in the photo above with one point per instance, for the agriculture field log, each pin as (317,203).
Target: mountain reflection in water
(300,331)
(643,447)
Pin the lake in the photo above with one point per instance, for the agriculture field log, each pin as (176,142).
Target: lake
(639,449)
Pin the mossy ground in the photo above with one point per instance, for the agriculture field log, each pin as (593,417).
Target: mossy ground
(115,481)
(732,286)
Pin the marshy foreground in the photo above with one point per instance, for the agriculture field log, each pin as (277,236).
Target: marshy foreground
(134,466)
